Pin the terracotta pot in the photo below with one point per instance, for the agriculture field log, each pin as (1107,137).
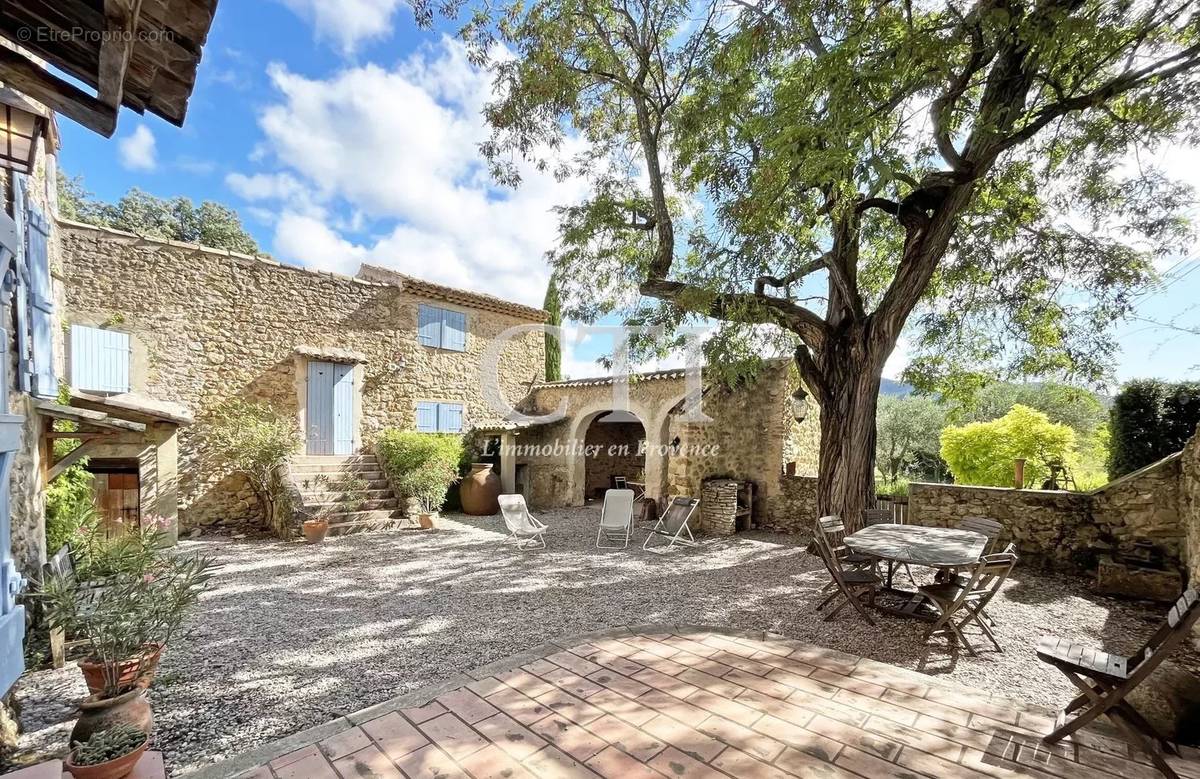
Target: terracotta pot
(114,769)
(96,714)
(128,671)
(315,530)
(480,491)
(426,521)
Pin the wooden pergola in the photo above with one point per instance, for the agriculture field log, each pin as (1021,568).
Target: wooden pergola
(94,427)
(141,54)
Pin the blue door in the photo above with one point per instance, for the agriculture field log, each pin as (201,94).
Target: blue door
(12,614)
(330,408)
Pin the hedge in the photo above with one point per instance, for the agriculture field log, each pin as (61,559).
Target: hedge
(1150,420)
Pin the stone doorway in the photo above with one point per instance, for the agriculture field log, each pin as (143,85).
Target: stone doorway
(614,450)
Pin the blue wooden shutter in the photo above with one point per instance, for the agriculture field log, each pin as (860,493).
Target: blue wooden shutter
(450,417)
(41,303)
(429,325)
(21,292)
(427,417)
(99,359)
(343,409)
(454,330)
(12,615)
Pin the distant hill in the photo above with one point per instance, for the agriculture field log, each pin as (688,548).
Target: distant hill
(893,387)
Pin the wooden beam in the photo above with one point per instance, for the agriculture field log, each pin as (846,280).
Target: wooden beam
(72,457)
(23,75)
(121,19)
(69,434)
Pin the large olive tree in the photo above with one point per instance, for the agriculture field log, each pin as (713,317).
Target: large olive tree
(977,173)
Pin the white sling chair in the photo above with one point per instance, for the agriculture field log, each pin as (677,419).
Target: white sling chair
(616,520)
(523,528)
(673,524)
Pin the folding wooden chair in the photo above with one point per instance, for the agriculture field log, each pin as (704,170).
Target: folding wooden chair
(1105,679)
(952,598)
(984,526)
(849,582)
(673,524)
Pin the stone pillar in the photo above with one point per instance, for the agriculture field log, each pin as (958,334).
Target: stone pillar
(508,464)
(167,450)
(718,507)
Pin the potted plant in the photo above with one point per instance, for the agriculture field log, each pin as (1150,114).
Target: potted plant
(422,467)
(108,754)
(125,622)
(315,529)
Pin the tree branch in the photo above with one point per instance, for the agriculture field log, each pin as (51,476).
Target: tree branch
(734,306)
(791,278)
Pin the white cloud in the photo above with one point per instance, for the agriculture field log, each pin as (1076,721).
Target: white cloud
(138,150)
(347,23)
(396,150)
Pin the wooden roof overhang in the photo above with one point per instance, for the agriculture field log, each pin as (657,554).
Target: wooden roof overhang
(93,428)
(141,54)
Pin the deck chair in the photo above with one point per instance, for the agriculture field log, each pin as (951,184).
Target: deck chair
(673,524)
(885,517)
(960,603)
(852,584)
(616,520)
(524,529)
(1105,679)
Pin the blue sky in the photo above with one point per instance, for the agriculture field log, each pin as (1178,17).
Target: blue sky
(343,134)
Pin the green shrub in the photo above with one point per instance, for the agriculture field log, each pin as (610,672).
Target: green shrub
(257,440)
(1150,420)
(982,453)
(69,506)
(420,465)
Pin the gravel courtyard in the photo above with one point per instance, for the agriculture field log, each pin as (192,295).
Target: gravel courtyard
(293,635)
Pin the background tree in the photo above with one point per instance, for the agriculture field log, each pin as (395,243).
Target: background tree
(909,433)
(1150,420)
(984,453)
(553,306)
(835,170)
(176,219)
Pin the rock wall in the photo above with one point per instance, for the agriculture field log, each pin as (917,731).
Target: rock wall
(209,325)
(1058,527)
(617,453)
(793,509)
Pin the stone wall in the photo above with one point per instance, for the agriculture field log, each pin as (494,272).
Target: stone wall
(718,506)
(1057,527)
(793,509)
(209,325)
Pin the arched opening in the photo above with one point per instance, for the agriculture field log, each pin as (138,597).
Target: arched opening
(614,449)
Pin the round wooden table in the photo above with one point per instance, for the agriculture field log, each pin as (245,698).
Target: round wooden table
(933,547)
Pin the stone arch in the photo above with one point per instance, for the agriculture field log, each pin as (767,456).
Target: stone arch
(581,421)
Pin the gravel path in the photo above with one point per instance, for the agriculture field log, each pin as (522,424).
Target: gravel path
(293,635)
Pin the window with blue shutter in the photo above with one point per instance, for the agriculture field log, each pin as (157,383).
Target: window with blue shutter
(439,417)
(427,417)
(442,328)
(99,359)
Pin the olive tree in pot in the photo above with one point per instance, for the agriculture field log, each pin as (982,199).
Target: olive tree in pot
(126,620)
(421,466)
(256,441)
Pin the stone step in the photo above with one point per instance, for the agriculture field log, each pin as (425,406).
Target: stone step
(312,496)
(339,473)
(361,517)
(299,467)
(333,459)
(361,505)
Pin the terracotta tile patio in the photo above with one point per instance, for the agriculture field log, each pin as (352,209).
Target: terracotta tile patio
(694,702)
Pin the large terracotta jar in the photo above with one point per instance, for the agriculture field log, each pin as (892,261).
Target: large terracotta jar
(480,491)
(96,714)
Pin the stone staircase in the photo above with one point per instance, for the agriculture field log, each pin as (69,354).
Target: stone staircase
(350,491)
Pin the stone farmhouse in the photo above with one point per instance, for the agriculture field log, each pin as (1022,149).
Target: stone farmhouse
(179,329)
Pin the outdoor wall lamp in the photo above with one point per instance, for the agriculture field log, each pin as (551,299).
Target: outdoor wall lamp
(675,443)
(22,124)
(800,404)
